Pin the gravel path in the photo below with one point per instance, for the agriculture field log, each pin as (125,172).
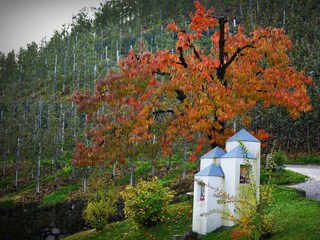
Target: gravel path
(312,185)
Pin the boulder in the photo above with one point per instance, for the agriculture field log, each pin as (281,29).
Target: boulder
(55,231)
(50,237)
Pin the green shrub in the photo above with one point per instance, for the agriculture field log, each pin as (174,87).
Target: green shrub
(279,157)
(101,206)
(147,202)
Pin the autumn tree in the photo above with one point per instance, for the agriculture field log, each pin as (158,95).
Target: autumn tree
(213,76)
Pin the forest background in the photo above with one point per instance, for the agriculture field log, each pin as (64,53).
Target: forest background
(39,124)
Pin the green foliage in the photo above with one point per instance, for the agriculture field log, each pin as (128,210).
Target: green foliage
(279,157)
(6,201)
(299,220)
(5,182)
(178,222)
(254,220)
(298,217)
(65,170)
(147,202)
(100,207)
(281,177)
(307,159)
(59,195)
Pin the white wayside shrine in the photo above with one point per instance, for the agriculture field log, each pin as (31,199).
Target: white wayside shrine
(225,171)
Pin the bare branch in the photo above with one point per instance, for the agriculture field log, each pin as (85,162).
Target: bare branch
(160,73)
(195,51)
(237,52)
(182,59)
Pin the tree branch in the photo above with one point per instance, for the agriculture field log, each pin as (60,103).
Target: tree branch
(222,22)
(195,51)
(180,95)
(163,111)
(160,73)
(236,53)
(181,58)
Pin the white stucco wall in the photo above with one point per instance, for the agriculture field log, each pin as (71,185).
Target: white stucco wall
(230,184)
(254,148)
(209,223)
(231,169)
(205,162)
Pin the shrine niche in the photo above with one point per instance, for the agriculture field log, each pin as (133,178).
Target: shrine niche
(227,171)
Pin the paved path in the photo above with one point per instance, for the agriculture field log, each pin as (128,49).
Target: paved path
(312,185)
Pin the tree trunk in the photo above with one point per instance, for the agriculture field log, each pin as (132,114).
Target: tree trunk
(16,167)
(308,139)
(113,171)
(84,179)
(184,160)
(288,141)
(74,64)
(169,162)
(4,162)
(94,63)
(131,173)
(55,157)
(75,61)
(39,147)
(62,127)
(20,79)
(64,72)
(35,78)
(38,168)
(117,57)
(153,157)
(55,75)
(106,58)
(5,155)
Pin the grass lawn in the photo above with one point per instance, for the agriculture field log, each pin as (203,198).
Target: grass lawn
(59,195)
(304,159)
(298,218)
(282,177)
(178,223)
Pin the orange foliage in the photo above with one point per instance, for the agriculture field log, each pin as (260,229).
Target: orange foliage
(238,234)
(158,98)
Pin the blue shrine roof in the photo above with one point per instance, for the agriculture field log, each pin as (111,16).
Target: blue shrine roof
(211,170)
(217,152)
(243,136)
(237,152)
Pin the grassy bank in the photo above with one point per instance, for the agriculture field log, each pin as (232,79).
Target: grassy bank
(281,177)
(178,222)
(298,218)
